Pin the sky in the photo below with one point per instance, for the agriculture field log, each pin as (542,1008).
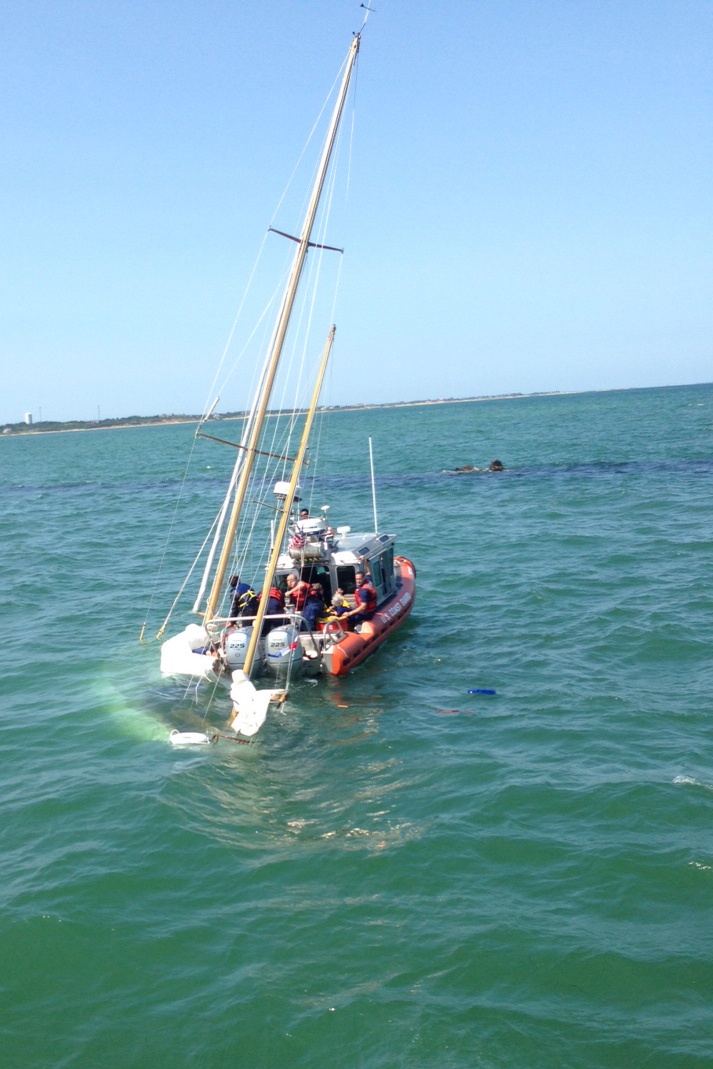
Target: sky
(529,195)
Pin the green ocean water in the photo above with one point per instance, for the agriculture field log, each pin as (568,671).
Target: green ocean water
(396,872)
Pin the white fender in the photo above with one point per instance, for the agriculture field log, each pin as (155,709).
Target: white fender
(188,738)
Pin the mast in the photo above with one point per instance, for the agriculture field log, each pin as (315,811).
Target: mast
(287,505)
(280,332)
(240,460)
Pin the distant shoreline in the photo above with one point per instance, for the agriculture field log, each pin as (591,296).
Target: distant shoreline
(13,430)
(71,426)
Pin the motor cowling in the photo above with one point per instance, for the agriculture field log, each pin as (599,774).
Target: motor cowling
(235,646)
(282,648)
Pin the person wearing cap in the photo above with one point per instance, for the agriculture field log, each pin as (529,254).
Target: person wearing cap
(244,601)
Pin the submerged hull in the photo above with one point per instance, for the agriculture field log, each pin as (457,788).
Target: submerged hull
(184,654)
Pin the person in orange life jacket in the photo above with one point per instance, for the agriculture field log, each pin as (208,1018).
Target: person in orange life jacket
(306,599)
(275,605)
(244,601)
(365,598)
(297,591)
(314,606)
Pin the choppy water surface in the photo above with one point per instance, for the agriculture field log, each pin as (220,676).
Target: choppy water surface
(397,872)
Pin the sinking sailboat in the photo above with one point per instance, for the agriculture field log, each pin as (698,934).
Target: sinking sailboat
(326,598)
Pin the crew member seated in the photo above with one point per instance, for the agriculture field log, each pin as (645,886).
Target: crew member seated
(340,605)
(305,598)
(365,598)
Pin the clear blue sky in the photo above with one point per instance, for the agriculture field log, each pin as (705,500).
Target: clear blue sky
(530,197)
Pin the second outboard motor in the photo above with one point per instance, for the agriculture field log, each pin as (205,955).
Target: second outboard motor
(283,650)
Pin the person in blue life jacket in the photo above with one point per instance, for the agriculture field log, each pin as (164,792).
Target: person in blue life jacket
(365,598)
(244,601)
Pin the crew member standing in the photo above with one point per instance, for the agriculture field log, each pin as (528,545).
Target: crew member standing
(275,605)
(314,606)
(297,591)
(244,601)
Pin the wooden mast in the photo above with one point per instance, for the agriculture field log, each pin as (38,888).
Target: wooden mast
(280,332)
(287,505)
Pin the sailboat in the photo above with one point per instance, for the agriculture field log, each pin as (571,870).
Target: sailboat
(327,598)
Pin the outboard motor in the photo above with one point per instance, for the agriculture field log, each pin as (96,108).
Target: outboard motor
(283,650)
(235,646)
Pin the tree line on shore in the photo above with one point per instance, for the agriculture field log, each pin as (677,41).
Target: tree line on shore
(143,421)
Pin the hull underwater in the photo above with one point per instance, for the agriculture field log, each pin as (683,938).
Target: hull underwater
(183,654)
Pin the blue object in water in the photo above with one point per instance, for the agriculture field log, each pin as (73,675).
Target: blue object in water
(481,690)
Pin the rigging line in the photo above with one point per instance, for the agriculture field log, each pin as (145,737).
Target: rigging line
(295,367)
(280,333)
(220,520)
(317,451)
(215,687)
(310,136)
(317,262)
(315,269)
(260,321)
(298,403)
(236,320)
(184,584)
(349,161)
(167,542)
(181,490)
(276,429)
(227,345)
(315,266)
(368,10)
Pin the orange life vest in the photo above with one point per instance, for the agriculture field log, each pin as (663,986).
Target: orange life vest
(365,597)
